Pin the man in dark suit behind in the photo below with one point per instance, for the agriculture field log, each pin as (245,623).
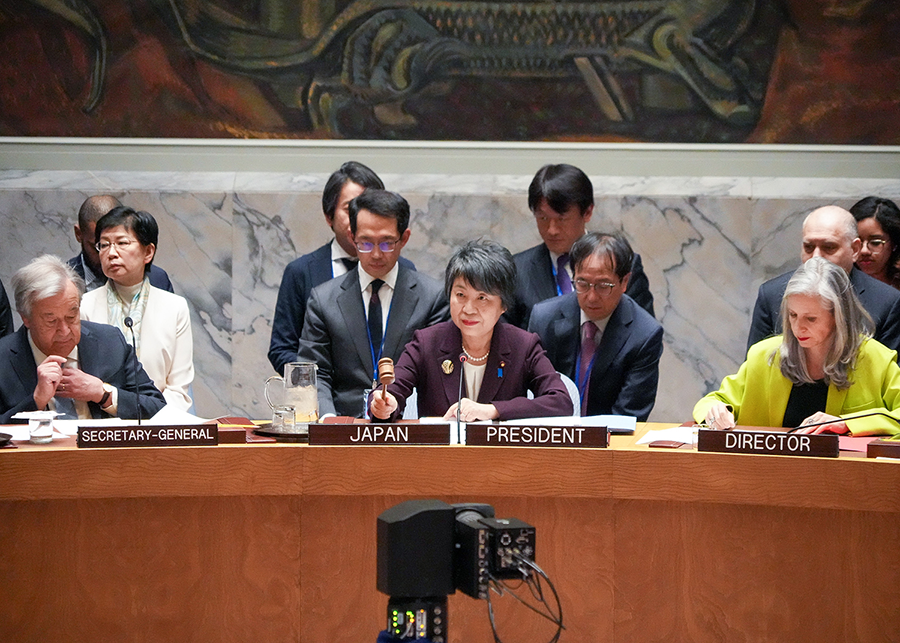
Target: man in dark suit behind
(830,232)
(6,319)
(59,362)
(87,263)
(562,200)
(334,259)
(371,312)
(598,336)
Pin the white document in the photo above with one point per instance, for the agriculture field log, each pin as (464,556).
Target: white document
(169,415)
(684,434)
(615,423)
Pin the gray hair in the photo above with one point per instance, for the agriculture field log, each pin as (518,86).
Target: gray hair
(43,277)
(852,324)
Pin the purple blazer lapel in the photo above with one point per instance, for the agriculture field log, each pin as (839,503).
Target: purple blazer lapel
(450,349)
(500,358)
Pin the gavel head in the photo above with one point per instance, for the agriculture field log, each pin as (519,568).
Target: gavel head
(386,370)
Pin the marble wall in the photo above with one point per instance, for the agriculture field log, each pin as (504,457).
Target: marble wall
(225,238)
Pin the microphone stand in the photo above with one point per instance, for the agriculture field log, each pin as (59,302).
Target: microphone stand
(462,373)
(129,322)
(855,417)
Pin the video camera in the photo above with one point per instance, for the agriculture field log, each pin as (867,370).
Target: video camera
(428,549)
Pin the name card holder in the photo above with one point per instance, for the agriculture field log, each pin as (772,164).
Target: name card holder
(883,448)
(175,435)
(518,435)
(825,445)
(363,434)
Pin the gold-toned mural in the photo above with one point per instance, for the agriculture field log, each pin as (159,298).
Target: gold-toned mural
(707,71)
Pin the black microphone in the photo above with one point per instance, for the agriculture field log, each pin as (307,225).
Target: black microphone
(840,419)
(462,373)
(129,322)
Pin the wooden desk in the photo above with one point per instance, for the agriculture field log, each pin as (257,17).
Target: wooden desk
(277,542)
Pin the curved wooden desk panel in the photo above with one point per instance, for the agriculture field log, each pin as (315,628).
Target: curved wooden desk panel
(277,542)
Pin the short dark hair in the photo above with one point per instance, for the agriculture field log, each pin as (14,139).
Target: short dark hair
(94,207)
(887,214)
(351,171)
(603,244)
(485,265)
(384,204)
(561,186)
(140,223)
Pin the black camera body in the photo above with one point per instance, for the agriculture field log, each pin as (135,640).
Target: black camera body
(427,549)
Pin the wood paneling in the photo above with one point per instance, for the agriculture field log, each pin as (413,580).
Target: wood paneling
(277,542)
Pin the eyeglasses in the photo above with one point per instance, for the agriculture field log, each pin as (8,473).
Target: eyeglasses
(603,288)
(875,245)
(121,244)
(384,246)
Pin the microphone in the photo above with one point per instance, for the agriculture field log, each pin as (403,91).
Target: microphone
(855,417)
(462,374)
(129,322)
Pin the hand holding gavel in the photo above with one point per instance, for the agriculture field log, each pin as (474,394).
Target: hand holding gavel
(385,374)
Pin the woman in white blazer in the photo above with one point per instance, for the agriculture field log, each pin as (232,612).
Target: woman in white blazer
(126,241)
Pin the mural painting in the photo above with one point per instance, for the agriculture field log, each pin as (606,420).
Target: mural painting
(704,71)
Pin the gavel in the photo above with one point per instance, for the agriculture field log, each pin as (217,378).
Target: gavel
(385,374)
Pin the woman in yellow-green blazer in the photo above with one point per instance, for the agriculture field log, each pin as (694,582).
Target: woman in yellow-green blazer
(824,366)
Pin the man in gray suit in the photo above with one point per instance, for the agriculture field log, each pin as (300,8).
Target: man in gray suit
(371,312)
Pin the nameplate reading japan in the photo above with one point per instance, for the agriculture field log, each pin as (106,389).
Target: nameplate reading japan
(189,435)
(368,434)
(768,443)
(518,435)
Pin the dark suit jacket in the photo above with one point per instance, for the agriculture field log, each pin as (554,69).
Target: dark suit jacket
(625,374)
(534,274)
(518,353)
(102,352)
(880,300)
(6,318)
(158,277)
(300,277)
(335,336)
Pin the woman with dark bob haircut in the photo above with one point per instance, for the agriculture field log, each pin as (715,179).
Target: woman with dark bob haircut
(878,226)
(160,320)
(498,362)
(824,366)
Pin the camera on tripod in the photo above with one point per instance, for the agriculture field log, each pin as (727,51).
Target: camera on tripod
(428,549)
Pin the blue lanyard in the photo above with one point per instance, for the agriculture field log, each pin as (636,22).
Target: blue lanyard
(582,383)
(555,275)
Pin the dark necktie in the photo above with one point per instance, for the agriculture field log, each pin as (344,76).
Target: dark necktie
(588,346)
(349,264)
(375,326)
(66,405)
(562,276)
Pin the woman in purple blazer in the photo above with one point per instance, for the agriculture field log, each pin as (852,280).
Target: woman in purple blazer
(493,364)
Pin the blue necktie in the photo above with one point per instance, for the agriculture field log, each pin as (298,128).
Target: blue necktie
(66,406)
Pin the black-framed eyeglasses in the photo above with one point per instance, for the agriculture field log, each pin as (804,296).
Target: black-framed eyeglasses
(121,244)
(875,245)
(384,246)
(583,286)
